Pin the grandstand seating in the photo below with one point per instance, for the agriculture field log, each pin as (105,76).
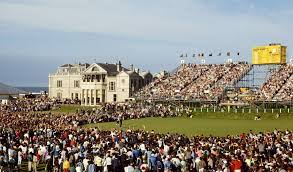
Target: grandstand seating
(193,81)
(212,84)
(278,86)
(236,72)
(197,90)
(171,86)
(286,92)
(206,82)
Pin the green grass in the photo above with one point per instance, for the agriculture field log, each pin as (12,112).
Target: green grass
(198,125)
(71,108)
(240,115)
(203,122)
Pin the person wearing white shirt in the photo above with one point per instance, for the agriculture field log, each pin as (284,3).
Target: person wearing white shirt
(70,136)
(85,163)
(142,147)
(19,158)
(129,168)
(108,163)
(30,150)
(63,154)
(160,142)
(166,149)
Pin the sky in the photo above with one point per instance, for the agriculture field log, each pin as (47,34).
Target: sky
(37,36)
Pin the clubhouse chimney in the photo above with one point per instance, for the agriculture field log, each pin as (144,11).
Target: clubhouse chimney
(119,66)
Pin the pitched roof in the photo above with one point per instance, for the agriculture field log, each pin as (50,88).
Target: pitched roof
(111,68)
(8,90)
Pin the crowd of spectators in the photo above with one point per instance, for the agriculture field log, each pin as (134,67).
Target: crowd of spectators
(213,82)
(71,148)
(196,81)
(62,144)
(278,84)
(286,92)
(41,103)
(16,115)
(236,72)
(197,90)
(171,86)
(208,82)
(111,111)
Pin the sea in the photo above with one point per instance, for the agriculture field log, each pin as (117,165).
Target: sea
(34,89)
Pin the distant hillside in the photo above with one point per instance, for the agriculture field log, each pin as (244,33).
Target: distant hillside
(9,90)
(34,89)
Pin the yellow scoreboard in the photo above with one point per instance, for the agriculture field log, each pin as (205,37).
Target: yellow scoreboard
(271,54)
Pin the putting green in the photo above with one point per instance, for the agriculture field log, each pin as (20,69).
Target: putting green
(197,126)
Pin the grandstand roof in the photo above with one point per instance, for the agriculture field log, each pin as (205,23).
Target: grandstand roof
(9,90)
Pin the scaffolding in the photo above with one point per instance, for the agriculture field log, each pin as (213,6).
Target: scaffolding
(257,76)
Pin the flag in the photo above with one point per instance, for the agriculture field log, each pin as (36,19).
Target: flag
(211,54)
(219,54)
(228,53)
(181,55)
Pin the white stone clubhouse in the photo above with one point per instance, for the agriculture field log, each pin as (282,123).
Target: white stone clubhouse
(96,83)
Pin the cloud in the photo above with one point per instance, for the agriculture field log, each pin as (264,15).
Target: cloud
(107,17)
(184,20)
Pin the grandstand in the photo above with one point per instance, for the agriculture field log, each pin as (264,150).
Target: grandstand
(220,83)
(271,88)
(280,80)
(202,82)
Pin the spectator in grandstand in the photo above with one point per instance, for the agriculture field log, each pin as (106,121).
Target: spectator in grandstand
(278,84)
(286,91)
(193,81)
